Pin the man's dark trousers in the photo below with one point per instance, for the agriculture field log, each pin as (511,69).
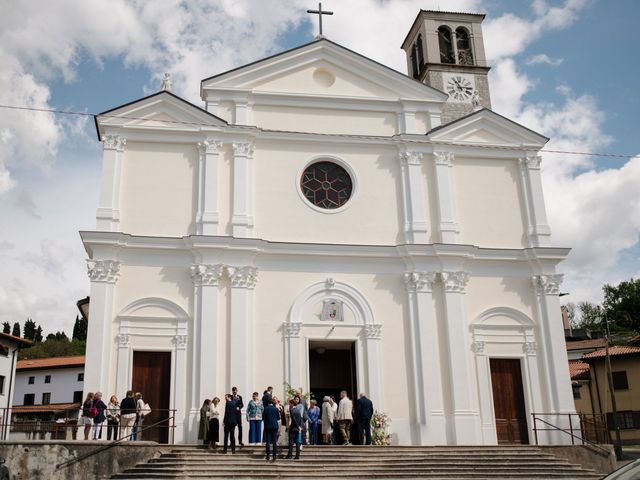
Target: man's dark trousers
(230,431)
(271,437)
(294,437)
(364,431)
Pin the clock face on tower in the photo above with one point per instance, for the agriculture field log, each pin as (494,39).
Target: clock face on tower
(459,87)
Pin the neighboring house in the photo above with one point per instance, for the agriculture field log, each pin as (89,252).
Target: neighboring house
(47,390)
(590,372)
(9,346)
(577,348)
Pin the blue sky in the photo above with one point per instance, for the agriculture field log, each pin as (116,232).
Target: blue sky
(566,68)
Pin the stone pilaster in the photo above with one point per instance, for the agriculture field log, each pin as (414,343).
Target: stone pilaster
(242,217)
(538,230)
(108,214)
(447,220)
(208,216)
(415,222)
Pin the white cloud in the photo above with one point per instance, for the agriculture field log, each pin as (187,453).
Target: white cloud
(544,59)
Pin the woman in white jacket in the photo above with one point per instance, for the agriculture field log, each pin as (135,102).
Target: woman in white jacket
(327,420)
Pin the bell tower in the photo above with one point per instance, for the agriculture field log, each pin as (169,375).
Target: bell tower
(445,50)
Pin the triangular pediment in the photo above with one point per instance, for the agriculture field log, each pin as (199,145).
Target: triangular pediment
(489,128)
(322,68)
(160,111)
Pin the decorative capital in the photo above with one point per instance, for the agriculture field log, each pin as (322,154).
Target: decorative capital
(244,149)
(373,331)
(243,277)
(443,158)
(179,342)
(455,281)
(210,145)
(291,329)
(478,347)
(419,281)
(411,158)
(329,283)
(103,270)
(208,275)
(113,142)
(123,340)
(547,284)
(529,348)
(532,162)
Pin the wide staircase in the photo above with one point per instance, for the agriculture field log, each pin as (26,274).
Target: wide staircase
(329,462)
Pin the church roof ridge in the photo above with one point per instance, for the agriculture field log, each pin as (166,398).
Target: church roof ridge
(316,41)
(202,110)
(478,112)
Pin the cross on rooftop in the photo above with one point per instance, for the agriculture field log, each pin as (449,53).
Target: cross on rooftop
(320,12)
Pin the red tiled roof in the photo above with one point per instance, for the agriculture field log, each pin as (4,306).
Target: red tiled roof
(579,370)
(614,350)
(585,344)
(53,407)
(51,362)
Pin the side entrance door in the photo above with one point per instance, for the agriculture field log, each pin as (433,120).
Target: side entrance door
(152,377)
(508,401)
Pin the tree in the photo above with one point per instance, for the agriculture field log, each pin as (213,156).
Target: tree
(16,330)
(58,336)
(53,348)
(29,330)
(38,337)
(622,305)
(591,316)
(79,329)
(6,327)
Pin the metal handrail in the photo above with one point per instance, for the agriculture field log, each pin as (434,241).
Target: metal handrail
(110,445)
(556,428)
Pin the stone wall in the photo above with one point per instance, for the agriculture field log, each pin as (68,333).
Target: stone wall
(585,455)
(39,460)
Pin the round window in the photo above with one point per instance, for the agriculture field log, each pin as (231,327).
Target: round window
(326,185)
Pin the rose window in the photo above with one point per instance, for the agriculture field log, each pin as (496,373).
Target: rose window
(326,185)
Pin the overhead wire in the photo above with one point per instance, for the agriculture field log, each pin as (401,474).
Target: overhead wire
(182,122)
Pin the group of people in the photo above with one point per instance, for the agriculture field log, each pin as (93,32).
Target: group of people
(273,422)
(123,418)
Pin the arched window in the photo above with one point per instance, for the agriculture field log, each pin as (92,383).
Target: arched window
(446,45)
(420,53)
(414,61)
(465,55)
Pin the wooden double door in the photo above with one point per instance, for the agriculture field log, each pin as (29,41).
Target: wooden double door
(508,401)
(152,378)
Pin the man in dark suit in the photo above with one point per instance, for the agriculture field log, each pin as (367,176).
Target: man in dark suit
(239,406)
(271,418)
(230,421)
(266,400)
(295,425)
(364,412)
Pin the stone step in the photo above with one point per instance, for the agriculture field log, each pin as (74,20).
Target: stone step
(329,462)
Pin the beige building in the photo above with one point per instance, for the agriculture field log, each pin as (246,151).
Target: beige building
(592,393)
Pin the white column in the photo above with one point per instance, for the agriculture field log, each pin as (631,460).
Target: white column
(415,223)
(483,373)
(123,368)
(243,280)
(292,347)
(372,337)
(435,119)
(242,217)
(464,419)
(425,355)
(532,387)
(207,216)
(557,382)
(409,121)
(100,340)
(244,112)
(538,227)
(180,434)
(448,224)
(108,214)
(205,337)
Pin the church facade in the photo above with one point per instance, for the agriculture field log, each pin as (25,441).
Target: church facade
(326,221)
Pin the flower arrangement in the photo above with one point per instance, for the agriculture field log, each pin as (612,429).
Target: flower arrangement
(292,392)
(380,421)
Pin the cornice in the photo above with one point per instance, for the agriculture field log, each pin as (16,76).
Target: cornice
(114,241)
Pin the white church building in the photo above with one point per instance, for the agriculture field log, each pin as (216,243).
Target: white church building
(327,221)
